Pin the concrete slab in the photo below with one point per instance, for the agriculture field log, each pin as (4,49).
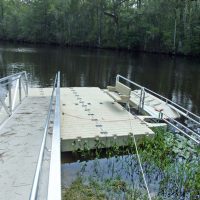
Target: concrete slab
(20,141)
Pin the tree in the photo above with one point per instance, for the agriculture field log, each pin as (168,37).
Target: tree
(157,26)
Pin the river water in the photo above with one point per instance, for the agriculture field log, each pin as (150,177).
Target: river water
(175,78)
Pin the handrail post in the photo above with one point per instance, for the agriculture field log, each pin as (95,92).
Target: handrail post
(143,98)
(10,95)
(160,115)
(117,78)
(20,89)
(141,102)
(26,82)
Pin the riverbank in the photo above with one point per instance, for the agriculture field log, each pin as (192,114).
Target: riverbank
(110,48)
(146,26)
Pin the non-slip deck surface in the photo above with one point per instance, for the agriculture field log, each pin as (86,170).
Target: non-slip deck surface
(90,112)
(20,140)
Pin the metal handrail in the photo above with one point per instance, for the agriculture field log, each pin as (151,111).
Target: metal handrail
(182,129)
(34,189)
(187,112)
(54,188)
(174,105)
(182,111)
(11,76)
(21,81)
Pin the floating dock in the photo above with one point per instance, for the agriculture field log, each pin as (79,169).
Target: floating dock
(90,115)
(37,124)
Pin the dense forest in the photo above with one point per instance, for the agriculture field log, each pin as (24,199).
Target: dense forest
(168,26)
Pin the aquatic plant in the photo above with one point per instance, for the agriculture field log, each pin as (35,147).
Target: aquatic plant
(107,190)
(80,191)
(167,158)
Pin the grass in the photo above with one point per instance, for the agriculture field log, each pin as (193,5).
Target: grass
(107,190)
(178,161)
(79,191)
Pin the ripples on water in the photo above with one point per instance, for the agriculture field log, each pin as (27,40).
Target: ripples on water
(19,50)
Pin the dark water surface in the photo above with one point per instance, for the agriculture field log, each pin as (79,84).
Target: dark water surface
(124,168)
(175,78)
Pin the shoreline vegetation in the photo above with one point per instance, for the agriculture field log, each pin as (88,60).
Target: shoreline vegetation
(169,160)
(158,26)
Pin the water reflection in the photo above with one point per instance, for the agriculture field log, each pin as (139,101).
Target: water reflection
(124,168)
(177,79)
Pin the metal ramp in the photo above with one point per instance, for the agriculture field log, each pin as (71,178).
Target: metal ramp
(30,145)
(20,140)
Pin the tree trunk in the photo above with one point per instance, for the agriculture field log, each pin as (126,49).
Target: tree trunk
(174,48)
(2,18)
(99,22)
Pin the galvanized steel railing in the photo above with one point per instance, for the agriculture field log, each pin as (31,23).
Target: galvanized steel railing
(16,89)
(54,186)
(179,109)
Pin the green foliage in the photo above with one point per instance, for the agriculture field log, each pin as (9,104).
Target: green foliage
(99,191)
(158,25)
(157,149)
(174,156)
(83,192)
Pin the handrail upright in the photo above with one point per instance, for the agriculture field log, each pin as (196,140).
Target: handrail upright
(10,97)
(20,89)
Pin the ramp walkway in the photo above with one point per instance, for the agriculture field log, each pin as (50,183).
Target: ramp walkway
(27,140)
(20,141)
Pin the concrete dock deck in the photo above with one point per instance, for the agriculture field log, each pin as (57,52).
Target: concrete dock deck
(20,140)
